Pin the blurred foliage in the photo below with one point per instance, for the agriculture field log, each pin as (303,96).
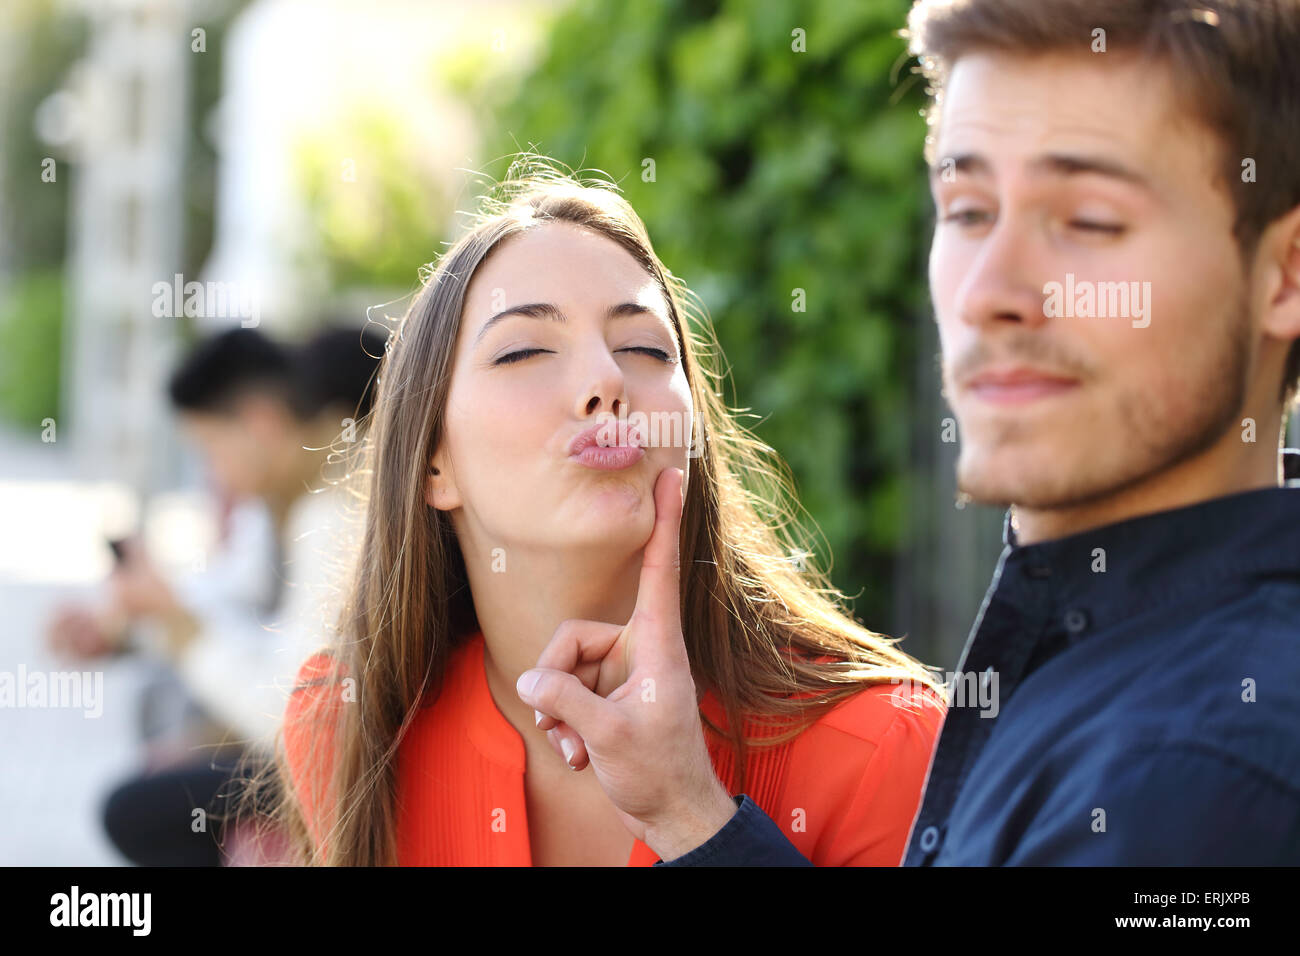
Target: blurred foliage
(31,339)
(775,170)
(34,223)
(35,213)
(371,205)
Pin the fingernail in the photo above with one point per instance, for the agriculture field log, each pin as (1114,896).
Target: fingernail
(539,717)
(527,681)
(567,746)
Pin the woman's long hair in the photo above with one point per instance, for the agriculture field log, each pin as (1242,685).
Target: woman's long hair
(771,637)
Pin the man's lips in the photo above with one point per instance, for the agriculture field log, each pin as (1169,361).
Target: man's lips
(1017,384)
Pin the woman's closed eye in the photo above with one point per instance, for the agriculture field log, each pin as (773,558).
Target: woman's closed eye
(522,354)
(650,350)
(517,356)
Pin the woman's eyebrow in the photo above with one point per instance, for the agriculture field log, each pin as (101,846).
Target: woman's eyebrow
(545,310)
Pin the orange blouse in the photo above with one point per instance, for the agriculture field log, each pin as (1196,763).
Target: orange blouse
(844,792)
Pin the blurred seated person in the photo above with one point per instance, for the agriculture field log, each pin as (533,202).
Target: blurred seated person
(264,417)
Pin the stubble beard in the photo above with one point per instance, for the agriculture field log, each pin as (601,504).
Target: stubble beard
(1153,433)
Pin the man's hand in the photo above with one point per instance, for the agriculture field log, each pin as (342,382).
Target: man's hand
(139,590)
(82,633)
(625,701)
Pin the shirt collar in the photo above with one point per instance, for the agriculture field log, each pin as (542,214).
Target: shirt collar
(489,731)
(1108,573)
(1290,477)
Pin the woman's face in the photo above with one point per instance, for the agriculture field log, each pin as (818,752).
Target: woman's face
(563,332)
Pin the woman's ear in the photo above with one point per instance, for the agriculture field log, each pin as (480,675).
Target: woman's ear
(440,489)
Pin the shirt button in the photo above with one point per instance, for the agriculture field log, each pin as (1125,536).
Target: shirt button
(1076,621)
(986,678)
(929,839)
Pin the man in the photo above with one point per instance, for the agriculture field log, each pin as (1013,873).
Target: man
(1116,278)
(264,416)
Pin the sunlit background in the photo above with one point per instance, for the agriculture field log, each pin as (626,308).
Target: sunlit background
(315,154)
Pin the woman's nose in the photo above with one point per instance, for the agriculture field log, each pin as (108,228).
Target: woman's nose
(604,388)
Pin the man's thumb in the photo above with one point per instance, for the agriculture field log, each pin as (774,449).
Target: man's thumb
(563,696)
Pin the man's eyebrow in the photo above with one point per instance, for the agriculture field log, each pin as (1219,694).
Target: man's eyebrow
(1051,164)
(545,310)
(1063,164)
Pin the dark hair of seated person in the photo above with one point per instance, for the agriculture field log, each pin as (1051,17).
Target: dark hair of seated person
(334,367)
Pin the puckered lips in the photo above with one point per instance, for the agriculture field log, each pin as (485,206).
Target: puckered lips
(585,448)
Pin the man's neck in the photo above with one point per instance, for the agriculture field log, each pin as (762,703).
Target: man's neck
(301,468)
(1230,467)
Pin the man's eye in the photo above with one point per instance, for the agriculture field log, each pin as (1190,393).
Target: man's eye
(967,217)
(517,356)
(660,354)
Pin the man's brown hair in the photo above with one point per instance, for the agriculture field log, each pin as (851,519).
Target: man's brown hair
(1235,62)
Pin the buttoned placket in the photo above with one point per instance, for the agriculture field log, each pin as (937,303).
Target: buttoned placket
(1014,619)
(1030,609)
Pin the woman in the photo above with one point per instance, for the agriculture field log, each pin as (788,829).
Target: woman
(491,520)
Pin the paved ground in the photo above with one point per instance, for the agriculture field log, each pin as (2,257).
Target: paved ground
(57,764)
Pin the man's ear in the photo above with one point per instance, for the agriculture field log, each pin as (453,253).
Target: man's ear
(440,487)
(1280,247)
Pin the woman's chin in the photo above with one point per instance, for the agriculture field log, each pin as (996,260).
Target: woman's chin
(614,513)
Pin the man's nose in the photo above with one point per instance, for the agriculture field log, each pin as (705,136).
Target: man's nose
(1003,282)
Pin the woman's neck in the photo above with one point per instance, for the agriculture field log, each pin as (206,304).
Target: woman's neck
(524,600)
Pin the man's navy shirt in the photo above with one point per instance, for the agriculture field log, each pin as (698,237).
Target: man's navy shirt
(1147,708)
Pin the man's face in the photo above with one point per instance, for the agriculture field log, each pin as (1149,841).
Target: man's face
(239,448)
(1083,171)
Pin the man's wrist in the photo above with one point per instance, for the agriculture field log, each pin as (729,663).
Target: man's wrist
(115,625)
(180,628)
(692,827)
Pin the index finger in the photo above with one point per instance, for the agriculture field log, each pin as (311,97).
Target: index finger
(658,593)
